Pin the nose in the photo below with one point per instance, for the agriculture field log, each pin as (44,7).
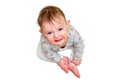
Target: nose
(56,35)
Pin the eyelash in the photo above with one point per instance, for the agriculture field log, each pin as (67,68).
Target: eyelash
(49,33)
(60,29)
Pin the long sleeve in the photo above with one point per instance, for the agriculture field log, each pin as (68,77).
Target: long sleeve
(78,46)
(46,53)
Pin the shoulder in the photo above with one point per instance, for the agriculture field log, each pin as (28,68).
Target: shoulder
(45,45)
(43,42)
(73,33)
(72,30)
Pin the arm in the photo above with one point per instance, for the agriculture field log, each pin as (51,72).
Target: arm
(63,64)
(62,61)
(78,48)
(45,52)
(49,53)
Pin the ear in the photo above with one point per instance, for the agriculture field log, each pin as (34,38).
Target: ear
(40,31)
(68,23)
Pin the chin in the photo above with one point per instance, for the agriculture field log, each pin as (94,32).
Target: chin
(57,45)
(60,44)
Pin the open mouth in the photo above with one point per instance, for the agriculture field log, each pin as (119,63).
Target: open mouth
(58,40)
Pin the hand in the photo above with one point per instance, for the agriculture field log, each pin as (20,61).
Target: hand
(76,62)
(66,59)
(74,70)
(63,64)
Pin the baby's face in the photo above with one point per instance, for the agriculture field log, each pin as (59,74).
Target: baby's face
(56,32)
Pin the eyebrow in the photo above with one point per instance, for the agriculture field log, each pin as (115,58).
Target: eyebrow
(48,31)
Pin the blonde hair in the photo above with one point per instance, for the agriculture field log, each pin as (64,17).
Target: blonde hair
(48,14)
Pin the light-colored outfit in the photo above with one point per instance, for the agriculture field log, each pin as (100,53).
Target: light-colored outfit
(49,52)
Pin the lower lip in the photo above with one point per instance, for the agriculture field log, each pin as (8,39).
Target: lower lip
(58,40)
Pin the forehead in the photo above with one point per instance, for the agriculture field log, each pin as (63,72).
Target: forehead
(56,22)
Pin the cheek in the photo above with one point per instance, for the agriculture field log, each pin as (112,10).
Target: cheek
(65,34)
(49,38)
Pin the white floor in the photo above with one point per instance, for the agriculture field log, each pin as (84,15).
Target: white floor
(98,22)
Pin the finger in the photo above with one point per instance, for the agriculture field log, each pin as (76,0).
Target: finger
(66,69)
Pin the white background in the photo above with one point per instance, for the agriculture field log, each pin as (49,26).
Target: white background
(98,22)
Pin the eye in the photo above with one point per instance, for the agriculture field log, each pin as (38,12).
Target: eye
(49,33)
(60,29)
